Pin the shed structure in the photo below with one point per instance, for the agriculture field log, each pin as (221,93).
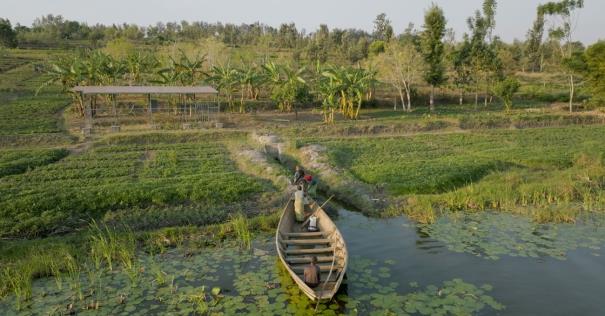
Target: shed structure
(203,111)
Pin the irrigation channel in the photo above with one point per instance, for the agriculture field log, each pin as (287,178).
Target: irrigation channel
(481,264)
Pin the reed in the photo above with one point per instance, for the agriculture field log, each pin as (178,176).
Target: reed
(103,244)
(241,228)
(19,282)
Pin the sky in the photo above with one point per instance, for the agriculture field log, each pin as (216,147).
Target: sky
(513,19)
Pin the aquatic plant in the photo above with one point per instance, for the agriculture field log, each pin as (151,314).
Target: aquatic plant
(103,245)
(19,280)
(492,235)
(240,226)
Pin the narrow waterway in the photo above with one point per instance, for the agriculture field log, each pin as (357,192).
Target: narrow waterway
(472,264)
(571,284)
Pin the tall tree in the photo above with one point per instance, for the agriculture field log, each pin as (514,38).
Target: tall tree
(383,31)
(8,36)
(432,47)
(534,50)
(595,71)
(563,31)
(401,66)
(489,13)
(462,66)
(484,61)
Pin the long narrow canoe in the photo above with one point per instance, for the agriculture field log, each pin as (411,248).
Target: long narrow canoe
(295,247)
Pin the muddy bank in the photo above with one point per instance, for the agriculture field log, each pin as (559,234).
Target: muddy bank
(332,181)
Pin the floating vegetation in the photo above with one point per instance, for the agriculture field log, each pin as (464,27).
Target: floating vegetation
(491,235)
(229,281)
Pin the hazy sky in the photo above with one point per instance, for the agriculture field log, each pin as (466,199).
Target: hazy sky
(513,20)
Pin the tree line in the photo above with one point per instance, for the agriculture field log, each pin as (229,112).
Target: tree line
(324,65)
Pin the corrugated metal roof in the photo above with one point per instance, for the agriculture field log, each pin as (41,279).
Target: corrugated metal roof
(145,89)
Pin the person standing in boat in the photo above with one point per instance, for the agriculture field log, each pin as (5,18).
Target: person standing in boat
(311,184)
(312,273)
(299,174)
(299,204)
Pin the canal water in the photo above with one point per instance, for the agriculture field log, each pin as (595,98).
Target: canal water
(468,264)
(555,278)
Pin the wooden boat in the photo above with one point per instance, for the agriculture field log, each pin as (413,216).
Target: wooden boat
(295,247)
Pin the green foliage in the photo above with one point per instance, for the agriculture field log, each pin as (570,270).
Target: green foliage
(492,235)
(62,195)
(595,71)
(288,86)
(240,226)
(377,48)
(506,89)
(20,161)
(8,36)
(490,169)
(383,31)
(344,88)
(432,46)
(30,115)
(254,283)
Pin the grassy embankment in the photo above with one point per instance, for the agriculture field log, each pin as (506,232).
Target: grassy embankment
(551,174)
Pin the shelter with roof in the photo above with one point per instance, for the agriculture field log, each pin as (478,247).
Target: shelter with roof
(194,104)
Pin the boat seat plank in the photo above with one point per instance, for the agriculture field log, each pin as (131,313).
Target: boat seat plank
(322,268)
(306,241)
(305,234)
(324,275)
(309,251)
(295,260)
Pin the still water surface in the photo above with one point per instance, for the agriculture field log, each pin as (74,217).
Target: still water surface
(525,285)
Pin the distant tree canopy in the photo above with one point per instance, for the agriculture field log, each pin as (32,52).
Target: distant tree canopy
(291,66)
(8,36)
(383,31)
(594,70)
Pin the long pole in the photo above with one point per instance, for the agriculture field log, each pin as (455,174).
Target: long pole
(319,208)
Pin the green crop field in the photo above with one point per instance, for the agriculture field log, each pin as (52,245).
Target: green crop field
(19,161)
(66,194)
(488,169)
(32,115)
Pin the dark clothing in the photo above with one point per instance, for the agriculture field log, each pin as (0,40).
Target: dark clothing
(298,175)
(312,275)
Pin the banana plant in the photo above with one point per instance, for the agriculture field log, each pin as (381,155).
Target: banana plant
(250,80)
(351,85)
(68,72)
(328,90)
(190,70)
(288,85)
(225,78)
(138,64)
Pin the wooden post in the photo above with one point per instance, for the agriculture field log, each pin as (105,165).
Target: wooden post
(87,130)
(115,127)
(150,109)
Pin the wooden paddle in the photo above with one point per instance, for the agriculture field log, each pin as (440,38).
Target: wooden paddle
(309,218)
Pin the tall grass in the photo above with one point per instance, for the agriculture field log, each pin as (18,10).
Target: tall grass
(104,245)
(19,281)
(240,226)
